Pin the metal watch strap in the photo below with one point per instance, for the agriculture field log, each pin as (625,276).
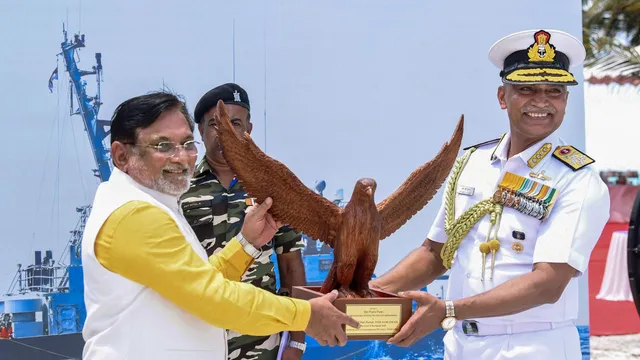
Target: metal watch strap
(248,247)
(450,311)
(298,345)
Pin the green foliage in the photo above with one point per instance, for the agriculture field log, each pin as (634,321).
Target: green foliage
(611,31)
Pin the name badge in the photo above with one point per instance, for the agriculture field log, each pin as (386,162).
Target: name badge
(466,190)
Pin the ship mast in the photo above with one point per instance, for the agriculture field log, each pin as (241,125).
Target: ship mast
(88,109)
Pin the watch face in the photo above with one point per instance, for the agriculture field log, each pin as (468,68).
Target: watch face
(449,323)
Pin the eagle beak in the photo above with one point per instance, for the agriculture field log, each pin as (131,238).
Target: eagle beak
(370,191)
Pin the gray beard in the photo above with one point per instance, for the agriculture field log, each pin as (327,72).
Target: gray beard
(175,186)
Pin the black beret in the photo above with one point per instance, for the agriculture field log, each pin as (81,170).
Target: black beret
(229,93)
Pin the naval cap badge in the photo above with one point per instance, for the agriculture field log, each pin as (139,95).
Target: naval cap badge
(541,49)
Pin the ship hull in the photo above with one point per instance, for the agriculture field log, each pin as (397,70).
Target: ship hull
(51,347)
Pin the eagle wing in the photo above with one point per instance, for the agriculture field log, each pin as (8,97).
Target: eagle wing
(420,187)
(262,176)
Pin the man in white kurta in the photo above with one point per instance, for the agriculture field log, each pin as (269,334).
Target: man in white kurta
(151,290)
(520,217)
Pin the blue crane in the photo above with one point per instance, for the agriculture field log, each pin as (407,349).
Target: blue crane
(89,106)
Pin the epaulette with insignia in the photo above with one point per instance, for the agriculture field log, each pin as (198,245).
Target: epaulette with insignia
(483,143)
(572,157)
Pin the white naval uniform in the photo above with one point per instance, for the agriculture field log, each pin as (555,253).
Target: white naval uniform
(568,235)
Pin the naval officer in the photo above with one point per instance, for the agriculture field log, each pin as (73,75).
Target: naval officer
(520,217)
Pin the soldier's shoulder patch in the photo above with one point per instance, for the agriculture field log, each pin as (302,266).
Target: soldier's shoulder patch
(572,157)
(489,142)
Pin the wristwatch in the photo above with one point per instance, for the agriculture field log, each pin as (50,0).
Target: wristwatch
(450,320)
(248,247)
(298,345)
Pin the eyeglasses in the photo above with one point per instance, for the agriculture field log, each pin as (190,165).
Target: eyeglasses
(169,148)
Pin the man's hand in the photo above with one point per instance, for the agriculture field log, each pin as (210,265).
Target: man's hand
(291,354)
(427,318)
(325,324)
(259,226)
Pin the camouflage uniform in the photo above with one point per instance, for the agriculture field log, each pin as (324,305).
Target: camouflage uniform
(216,215)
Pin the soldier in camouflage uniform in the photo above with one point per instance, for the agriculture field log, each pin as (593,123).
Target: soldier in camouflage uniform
(215,207)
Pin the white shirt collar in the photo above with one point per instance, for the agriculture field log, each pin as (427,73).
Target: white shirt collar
(502,149)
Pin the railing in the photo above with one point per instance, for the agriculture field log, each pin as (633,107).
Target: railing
(38,278)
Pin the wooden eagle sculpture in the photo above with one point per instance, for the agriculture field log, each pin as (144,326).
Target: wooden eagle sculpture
(353,232)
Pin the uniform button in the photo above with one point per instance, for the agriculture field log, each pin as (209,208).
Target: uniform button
(468,275)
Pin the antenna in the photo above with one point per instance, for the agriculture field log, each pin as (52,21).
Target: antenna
(234,50)
(265,80)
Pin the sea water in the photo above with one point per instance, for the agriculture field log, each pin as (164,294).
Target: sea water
(428,348)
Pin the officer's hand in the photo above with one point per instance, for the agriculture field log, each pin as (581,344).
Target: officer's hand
(325,324)
(259,226)
(427,318)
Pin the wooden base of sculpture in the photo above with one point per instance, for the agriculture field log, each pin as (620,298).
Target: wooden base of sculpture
(380,318)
